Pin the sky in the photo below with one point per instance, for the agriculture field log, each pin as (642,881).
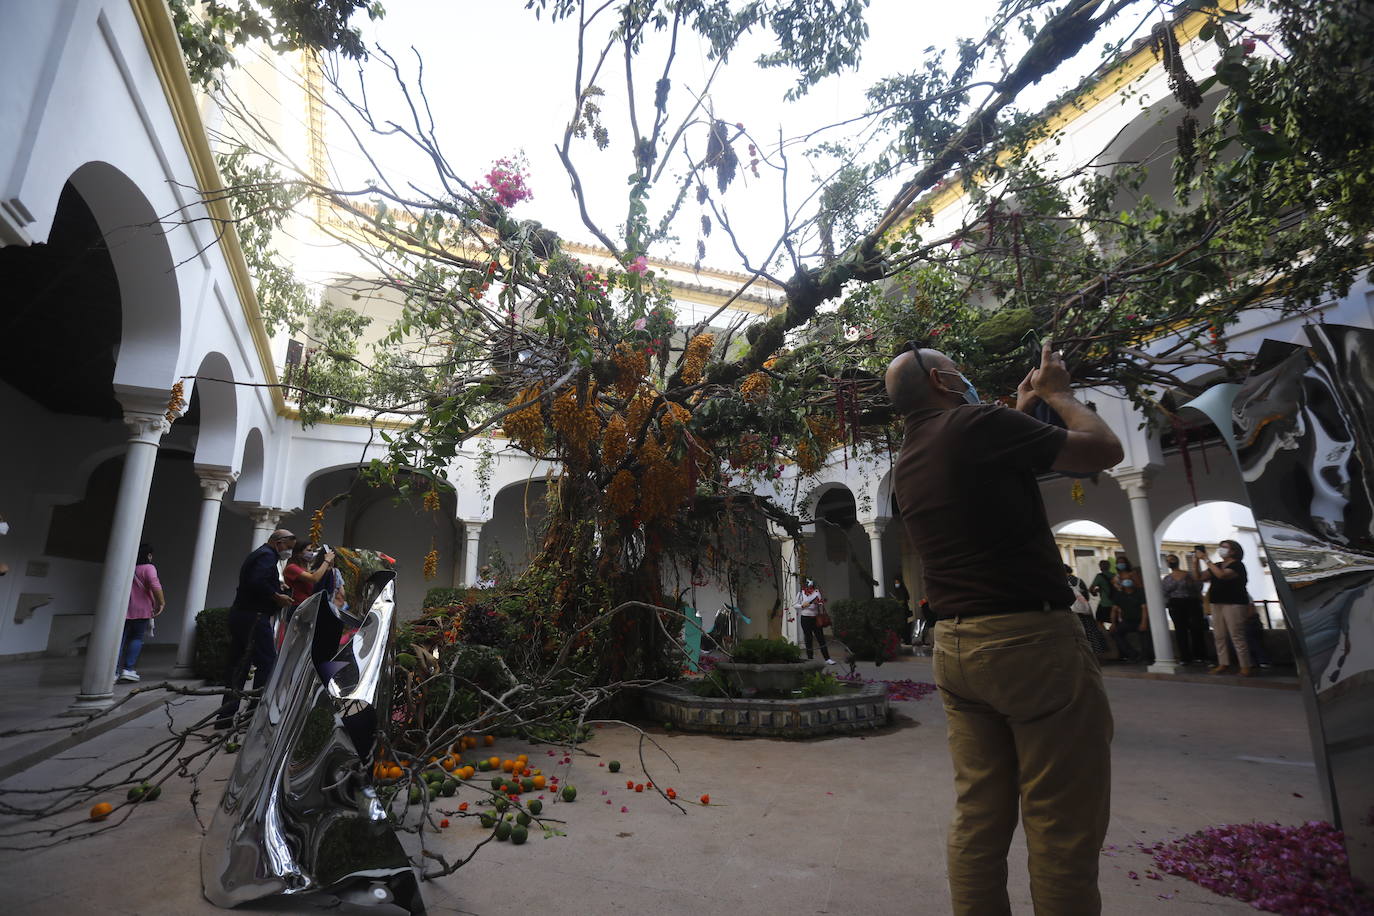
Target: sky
(500,82)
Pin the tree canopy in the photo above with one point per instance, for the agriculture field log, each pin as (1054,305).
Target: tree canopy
(665,430)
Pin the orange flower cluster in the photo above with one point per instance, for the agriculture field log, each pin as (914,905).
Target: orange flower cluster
(631,364)
(576,421)
(694,361)
(811,451)
(755,387)
(639,411)
(663,492)
(674,420)
(317,526)
(750,451)
(432,563)
(526,427)
(621,495)
(432,500)
(808,457)
(615,444)
(177,402)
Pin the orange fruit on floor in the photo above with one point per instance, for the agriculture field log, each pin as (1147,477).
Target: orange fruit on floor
(489,740)
(449,764)
(394,772)
(101,810)
(706,799)
(539,782)
(494,762)
(507,765)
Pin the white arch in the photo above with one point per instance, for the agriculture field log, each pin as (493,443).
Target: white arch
(217,443)
(818,490)
(150,301)
(252,466)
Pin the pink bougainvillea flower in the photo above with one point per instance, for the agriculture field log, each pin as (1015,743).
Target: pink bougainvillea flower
(639,265)
(1278,868)
(624,810)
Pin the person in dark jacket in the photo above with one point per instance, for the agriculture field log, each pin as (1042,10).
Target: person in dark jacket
(256,601)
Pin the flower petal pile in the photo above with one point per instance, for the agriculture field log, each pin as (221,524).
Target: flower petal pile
(1298,870)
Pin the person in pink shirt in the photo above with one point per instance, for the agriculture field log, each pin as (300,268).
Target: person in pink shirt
(146,601)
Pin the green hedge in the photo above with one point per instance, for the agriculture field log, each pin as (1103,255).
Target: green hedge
(212,644)
(760,650)
(864,625)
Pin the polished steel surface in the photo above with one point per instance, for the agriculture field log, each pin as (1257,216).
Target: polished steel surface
(1302,431)
(300,813)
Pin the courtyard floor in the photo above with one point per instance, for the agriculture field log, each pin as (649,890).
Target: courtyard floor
(850,824)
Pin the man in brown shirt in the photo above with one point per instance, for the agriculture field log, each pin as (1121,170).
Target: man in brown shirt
(1028,718)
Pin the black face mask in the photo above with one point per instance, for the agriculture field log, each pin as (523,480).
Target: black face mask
(1173,564)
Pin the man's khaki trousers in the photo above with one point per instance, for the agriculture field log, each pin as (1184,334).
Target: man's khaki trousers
(1029,727)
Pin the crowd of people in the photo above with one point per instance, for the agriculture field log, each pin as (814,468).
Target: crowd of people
(1118,627)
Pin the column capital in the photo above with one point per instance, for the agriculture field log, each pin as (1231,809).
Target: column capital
(264,516)
(145,426)
(1136,481)
(214,482)
(876,526)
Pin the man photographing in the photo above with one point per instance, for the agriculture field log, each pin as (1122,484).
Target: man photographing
(257,600)
(1028,717)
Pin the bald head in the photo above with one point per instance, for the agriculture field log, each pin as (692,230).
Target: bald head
(909,388)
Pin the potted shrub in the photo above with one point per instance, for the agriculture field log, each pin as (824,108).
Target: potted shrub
(768,664)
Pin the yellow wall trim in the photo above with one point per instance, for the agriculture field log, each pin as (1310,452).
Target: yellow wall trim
(160,37)
(1105,88)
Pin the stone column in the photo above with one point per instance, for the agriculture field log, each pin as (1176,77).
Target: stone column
(875,530)
(1136,483)
(265,520)
(472,539)
(213,485)
(116,578)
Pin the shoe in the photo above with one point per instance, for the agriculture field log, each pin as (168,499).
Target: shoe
(128,675)
(1220,669)
(1247,672)
(830,661)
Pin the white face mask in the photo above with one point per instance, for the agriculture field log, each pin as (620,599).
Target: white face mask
(1223,552)
(4,527)
(1128,583)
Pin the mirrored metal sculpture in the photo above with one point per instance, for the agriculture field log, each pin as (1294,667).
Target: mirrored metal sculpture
(300,814)
(1302,430)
